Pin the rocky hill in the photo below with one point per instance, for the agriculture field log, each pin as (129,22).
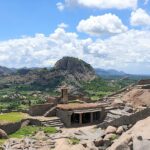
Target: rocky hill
(76,68)
(5,70)
(68,70)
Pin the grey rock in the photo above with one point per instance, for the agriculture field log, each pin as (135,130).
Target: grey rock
(139,144)
(3,134)
(98,142)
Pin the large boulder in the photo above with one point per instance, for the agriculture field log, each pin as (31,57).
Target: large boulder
(121,144)
(139,134)
(3,134)
(120,130)
(111,129)
(110,136)
(141,144)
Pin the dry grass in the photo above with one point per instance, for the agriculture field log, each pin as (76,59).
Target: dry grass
(77,106)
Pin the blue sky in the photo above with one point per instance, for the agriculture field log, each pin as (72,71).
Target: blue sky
(106,33)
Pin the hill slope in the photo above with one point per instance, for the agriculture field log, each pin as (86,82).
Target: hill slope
(67,70)
(5,70)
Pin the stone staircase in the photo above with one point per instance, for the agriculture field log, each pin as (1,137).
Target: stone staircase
(53,122)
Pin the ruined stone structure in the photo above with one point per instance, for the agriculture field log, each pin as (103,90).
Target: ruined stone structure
(64,95)
(80,114)
(71,114)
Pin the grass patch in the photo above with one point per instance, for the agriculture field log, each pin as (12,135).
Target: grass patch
(73,141)
(30,130)
(2,141)
(12,117)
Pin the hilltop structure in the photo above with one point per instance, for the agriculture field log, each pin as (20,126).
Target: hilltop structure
(71,114)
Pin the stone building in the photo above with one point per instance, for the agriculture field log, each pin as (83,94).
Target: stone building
(71,114)
(80,114)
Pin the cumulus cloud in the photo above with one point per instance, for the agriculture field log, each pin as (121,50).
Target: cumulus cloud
(63,25)
(99,25)
(102,4)
(124,51)
(60,6)
(41,50)
(140,18)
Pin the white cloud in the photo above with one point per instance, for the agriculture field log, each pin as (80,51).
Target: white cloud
(60,6)
(63,25)
(102,4)
(125,51)
(140,18)
(99,25)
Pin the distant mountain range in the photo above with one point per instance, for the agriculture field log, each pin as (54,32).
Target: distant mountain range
(69,71)
(100,72)
(110,72)
(6,71)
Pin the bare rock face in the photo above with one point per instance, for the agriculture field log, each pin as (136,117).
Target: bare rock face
(3,134)
(137,138)
(76,67)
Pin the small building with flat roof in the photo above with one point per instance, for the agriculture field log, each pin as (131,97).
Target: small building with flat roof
(75,114)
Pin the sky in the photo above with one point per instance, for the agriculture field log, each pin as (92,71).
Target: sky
(108,34)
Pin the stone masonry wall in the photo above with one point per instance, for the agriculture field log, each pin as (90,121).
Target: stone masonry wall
(65,117)
(10,128)
(39,110)
(126,120)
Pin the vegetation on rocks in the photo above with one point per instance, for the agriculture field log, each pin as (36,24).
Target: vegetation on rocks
(73,141)
(12,117)
(30,130)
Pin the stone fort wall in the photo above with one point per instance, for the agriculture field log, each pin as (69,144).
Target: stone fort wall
(10,128)
(39,110)
(126,120)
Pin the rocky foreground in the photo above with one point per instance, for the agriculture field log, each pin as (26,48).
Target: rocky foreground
(137,138)
(130,137)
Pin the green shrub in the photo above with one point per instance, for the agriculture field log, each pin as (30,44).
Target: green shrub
(74,141)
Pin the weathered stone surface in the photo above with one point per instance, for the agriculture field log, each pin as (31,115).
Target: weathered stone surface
(107,143)
(120,130)
(122,147)
(140,144)
(25,123)
(128,109)
(110,129)
(40,135)
(91,146)
(98,142)
(84,143)
(125,127)
(118,102)
(121,143)
(109,136)
(3,134)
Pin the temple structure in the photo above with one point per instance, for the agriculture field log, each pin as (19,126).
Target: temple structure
(80,114)
(76,114)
